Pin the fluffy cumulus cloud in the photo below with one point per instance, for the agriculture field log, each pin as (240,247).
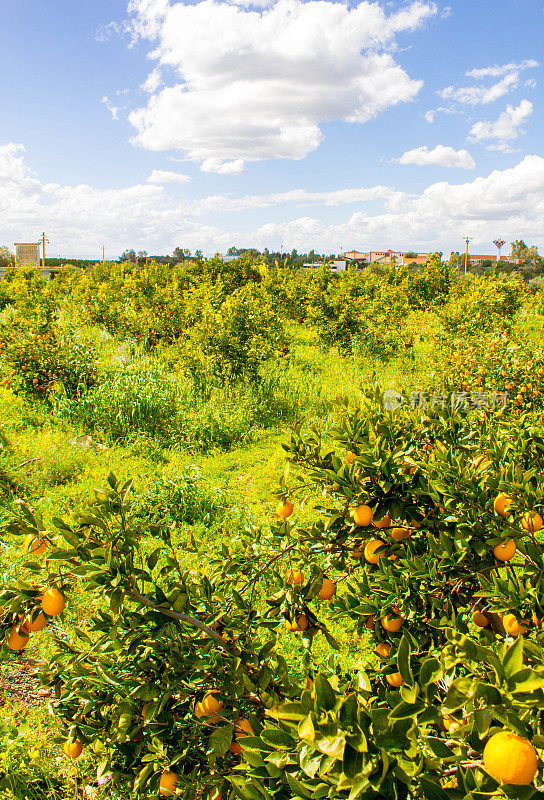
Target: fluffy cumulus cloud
(235,167)
(80,219)
(505,128)
(254,81)
(166,176)
(441,156)
(481,94)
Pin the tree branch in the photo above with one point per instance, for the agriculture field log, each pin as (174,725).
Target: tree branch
(196,623)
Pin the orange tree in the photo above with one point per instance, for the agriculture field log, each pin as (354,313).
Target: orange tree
(425,538)
(37,354)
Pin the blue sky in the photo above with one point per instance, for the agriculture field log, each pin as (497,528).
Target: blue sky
(311,124)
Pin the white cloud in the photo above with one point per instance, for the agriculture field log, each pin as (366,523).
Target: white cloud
(80,219)
(505,128)
(235,167)
(297,197)
(153,82)
(114,110)
(105,32)
(266,79)
(441,155)
(496,71)
(15,177)
(165,176)
(509,75)
(481,95)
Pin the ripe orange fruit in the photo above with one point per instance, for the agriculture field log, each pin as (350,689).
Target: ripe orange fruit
(512,626)
(502,501)
(532,521)
(505,551)
(384,522)
(510,758)
(481,460)
(168,782)
(284,509)
(34,545)
(480,619)
(243,728)
(294,576)
(392,624)
(362,516)
(399,534)
(209,706)
(73,749)
(328,590)
(370,551)
(350,458)
(17,641)
(52,602)
(394,679)
(300,624)
(37,625)
(383,649)
(235,748)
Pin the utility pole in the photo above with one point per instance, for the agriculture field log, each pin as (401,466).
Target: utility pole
(43,250)
(103,254)
(467,240)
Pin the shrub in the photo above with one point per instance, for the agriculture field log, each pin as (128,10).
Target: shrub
(363,314)
(37,358)
(126,402)
(483,304)
(184,498)
(430,287)
(230,337)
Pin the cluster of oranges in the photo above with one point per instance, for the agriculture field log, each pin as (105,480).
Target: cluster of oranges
(501,366)
(208,709)
(301,621)
(37,360)
(50,603)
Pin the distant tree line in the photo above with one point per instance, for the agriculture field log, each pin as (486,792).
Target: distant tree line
(523,259)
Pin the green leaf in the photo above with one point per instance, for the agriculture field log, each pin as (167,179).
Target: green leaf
(153,559)
(352,762)
(297,787)
(430,672)
(332,746)
(513,660)
(432,790)
(403,660)
(288,711)
(220,740)
(278,739)
(324,694)
(438,747)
